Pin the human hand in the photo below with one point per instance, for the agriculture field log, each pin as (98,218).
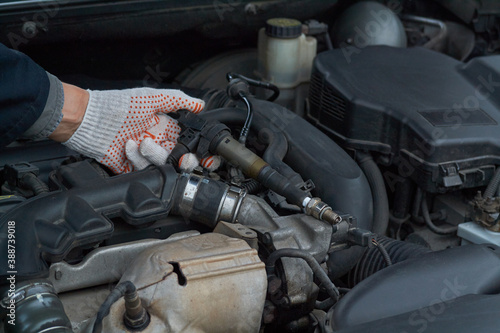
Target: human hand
(113,118)
(189,161)
(154,145)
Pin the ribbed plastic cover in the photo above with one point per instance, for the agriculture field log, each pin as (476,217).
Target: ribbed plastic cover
(283,28)
(427,113)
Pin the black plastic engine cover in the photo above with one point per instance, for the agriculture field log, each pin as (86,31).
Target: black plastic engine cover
(49,225)
(436,118)
(476,313)
(435,279)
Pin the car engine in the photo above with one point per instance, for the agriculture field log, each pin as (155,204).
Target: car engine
(359,188)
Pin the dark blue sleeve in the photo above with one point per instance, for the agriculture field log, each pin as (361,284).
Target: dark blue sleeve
(24,88)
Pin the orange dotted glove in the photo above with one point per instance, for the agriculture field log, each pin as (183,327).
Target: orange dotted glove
(154,145)
(189,161)
(115,117)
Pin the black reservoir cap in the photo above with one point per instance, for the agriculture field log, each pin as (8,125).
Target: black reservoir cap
(283,28)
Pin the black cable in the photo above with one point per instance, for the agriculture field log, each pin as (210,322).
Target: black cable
(248,120)
(415,215)
(32,182)
(256,83)
(329,302)
(331,289)
(344,290)
(436,216)
(277,143)
(120,290)
(238,88)
(324,305)
(427,218)
(383,252)
(492,188)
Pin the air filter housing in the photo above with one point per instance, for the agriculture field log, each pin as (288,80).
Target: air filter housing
(435,118)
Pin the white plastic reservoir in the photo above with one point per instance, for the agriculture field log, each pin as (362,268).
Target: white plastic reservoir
(285,54)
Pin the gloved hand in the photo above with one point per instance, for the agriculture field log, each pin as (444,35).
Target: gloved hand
(189,161)
(154,145)
(115,117)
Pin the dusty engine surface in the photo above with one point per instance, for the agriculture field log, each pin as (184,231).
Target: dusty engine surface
(358,188)
(178,279)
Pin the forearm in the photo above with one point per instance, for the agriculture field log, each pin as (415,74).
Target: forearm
(75,104)
(25,87)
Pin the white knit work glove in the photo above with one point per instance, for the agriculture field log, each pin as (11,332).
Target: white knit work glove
(116,119)
(189,161)
(154,145)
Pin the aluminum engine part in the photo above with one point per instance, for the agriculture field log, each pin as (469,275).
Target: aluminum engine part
(296,231)
(104,265)
(206,283)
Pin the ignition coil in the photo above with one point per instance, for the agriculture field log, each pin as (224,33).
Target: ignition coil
(214,138)
(218,140)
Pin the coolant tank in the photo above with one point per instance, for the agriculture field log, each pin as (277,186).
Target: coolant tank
(285,53)
(471,232)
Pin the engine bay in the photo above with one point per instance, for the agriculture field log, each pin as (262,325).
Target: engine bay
(358,189)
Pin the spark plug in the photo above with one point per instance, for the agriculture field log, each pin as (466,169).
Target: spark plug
(321,211)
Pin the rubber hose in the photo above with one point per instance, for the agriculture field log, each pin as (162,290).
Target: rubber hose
(337,177)
(328,303)
(312,154)
(259,84)
(428,221)
(492,187)
(252,186)
(417,206)
(31,181)
(379,194)
(39,309)
(320,274)
(215,99)
(324,305)
(373,261)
